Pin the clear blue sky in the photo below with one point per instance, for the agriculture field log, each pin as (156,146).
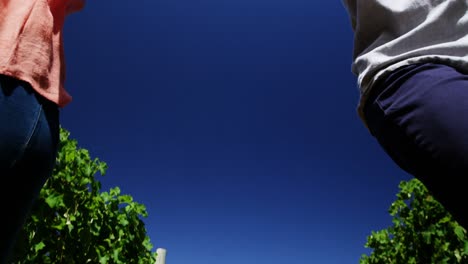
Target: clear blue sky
(234,122)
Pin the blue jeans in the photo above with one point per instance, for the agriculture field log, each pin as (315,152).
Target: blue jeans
(419,115)
(29,137)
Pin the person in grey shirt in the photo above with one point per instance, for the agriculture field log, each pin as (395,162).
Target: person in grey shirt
(410,58)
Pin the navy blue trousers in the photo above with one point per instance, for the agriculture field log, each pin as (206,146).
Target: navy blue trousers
(29,136)
(419,115)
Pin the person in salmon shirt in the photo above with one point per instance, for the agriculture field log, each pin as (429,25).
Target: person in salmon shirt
(32,92)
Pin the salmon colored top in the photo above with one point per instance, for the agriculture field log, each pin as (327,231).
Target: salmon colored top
(31,44)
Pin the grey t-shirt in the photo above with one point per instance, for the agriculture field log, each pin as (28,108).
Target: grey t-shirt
(389,34)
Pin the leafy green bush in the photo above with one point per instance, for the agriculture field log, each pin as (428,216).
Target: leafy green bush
(74,222)
(423,232)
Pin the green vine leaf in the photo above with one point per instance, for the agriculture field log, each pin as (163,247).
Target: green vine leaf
(74,221)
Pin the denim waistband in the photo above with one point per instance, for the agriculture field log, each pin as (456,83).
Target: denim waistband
(399,75)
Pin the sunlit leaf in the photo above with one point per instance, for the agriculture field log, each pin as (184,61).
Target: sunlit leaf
(73,221)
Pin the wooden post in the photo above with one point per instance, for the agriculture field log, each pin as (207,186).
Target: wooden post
(161,258)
